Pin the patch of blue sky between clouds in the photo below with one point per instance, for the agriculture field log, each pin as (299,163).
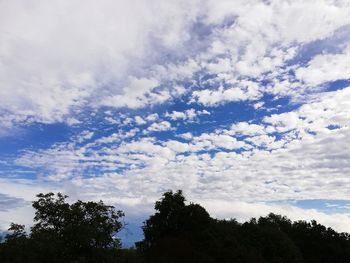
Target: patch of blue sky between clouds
(228,109)
(324,205)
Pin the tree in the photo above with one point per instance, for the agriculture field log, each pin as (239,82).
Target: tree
(63,232)
(180,232)
(176,232)
(85,232)
(15,248)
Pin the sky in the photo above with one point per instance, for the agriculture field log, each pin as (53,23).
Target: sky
(242,104)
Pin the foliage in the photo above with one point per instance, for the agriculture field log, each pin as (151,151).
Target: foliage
(186,233)
(85,232)
(128,255)
(63,232)
(176,231)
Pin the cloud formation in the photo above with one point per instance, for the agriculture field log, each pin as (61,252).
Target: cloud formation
(57,57)
(238,103)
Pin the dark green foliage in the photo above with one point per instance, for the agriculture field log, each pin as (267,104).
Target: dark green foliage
(128,255)
(16,244)
(323,244)
(176,232)
(63,232)
(186,233)
(84,232)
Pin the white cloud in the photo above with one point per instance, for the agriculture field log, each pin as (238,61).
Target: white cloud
(285,121)
(262,50)
(189,114)
(111,120)
(138,54)
(246,128)
(264,141)
(178,147)
(139,120)
(58,56)
(159,126)
(307,160)
(187,135)
(326,67)
(85,135)
(152,117)
(142,204)
(176,115)
(136,94)
(53,65)
(245,90)
(212,141)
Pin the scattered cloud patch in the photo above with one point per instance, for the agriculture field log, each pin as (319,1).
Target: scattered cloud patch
(162,95)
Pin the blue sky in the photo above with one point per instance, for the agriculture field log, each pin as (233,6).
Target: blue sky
(244,105)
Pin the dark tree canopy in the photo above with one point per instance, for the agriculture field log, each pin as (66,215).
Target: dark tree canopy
(180,232)
(63,232)
(89,224)
(85,232)
(176,232)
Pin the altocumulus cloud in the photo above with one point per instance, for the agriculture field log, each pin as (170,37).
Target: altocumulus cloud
(238,103)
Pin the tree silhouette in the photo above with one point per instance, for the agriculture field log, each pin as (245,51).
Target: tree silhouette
(85,232)
(178,232)
(63,232)
(15,248)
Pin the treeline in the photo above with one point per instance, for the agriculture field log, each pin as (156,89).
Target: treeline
(85,232)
